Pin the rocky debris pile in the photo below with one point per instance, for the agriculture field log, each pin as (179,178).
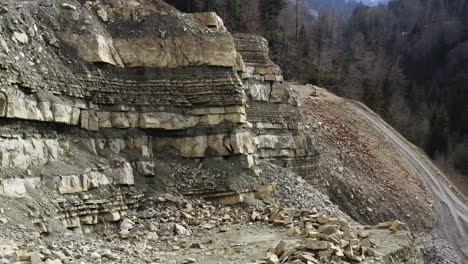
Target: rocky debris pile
(437,250)
(296,192)
(138,236)
(169,224)
(327,238)
(192,176)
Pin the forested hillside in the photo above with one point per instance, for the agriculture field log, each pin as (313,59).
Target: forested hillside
(407,60)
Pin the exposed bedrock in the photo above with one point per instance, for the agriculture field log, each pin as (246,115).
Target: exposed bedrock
(90,95)
(273,112)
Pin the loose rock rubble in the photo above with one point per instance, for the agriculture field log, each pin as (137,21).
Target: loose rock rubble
(327,238)
(167,225)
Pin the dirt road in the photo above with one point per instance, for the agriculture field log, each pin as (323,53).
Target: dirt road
(451,209)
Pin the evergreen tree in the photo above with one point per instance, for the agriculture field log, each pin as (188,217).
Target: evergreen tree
(233,15)
(439,142)
(211,5)
(269,11)
(303,42)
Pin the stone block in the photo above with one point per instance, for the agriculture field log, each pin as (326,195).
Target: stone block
(94,179)
(278,93)
(217,143)
(316,244)
(242,143)
(168,121)
(145,168)
(259,91)
(70,184)
(3,104)
(62,113)
(14,188)
(211,20)
(112,216)
(120,120)
(209,111)
(274,142)
(84,119)
(44,108)
(93,121)
(17,109)
(190,147)
(133,119)
(104,119)
(123,175)
(33,112)
(75,116)
(93,47)
(247,161)
(236,118)
(211,120)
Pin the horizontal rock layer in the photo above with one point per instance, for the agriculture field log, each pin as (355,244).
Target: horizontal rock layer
(89,97)
(273,112)
(172,52)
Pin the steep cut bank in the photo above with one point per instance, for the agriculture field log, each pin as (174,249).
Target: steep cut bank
(128,127)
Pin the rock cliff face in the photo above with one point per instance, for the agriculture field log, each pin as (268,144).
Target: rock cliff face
(111,106)
(273,110)
(91,94)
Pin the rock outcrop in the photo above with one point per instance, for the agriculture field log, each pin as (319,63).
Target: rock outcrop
(186,85)
(82,80)
(273,110)
(106,106)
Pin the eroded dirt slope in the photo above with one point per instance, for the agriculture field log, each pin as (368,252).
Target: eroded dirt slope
(359,168)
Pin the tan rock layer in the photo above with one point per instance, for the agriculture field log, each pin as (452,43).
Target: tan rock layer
(171,52)
(273,111)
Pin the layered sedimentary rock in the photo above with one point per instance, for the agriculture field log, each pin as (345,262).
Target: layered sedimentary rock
(273,110)
(90,93)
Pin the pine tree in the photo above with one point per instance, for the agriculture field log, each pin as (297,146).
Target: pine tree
(439,142)
(211,5)
(303,42)
(233,15)
(269,11)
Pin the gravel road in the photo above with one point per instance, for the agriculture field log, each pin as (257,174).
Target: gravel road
(452,210)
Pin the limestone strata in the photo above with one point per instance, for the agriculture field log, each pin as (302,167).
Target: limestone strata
(255,52)
(173,52)
(107,90)
(122,175)
(88,212)
(239,142)
(273,110)
(18,152)
(216,50)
